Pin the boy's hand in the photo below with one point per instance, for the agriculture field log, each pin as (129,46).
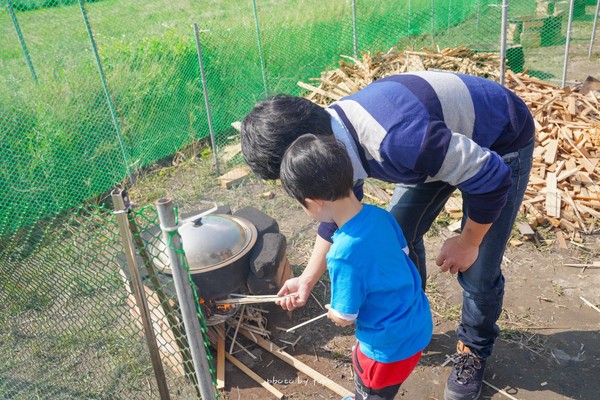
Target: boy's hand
(294,285)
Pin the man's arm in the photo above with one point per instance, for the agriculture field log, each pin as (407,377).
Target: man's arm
(303,284)
(460,252)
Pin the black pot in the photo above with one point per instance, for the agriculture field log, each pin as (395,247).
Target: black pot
(217,249)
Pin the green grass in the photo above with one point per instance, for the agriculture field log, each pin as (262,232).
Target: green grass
(60,145)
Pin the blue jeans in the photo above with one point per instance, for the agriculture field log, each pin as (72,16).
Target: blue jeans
(416,206)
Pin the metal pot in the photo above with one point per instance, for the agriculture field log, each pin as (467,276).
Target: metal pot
(217,249)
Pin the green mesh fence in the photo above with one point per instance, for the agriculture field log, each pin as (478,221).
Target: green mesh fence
(71,329)
(78,116)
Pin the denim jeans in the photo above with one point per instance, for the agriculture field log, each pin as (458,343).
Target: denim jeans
(416,206)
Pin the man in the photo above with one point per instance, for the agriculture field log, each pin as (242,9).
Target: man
(430,133)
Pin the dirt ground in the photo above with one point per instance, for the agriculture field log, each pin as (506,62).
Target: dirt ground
(547,350)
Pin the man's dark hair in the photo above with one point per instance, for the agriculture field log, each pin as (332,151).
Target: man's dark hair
(316,168)
(273,124)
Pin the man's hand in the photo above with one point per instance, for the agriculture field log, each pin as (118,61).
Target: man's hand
(460,252)
(294,285)
(456,255)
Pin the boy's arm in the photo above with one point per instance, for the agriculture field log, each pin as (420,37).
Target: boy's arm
(303,284)
(339,318)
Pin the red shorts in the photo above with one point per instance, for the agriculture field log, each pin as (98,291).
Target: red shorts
(378,375)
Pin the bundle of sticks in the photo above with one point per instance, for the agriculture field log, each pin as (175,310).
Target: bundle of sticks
(563,189)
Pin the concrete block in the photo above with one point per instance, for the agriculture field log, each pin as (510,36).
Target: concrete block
(262,222)
(270,284)
(267,254)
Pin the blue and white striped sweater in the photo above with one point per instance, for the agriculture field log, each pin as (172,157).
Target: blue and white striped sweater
(426,126)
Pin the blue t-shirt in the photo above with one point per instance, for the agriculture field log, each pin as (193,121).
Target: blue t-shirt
(372,276)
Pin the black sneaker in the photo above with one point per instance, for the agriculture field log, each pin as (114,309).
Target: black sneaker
(466,379)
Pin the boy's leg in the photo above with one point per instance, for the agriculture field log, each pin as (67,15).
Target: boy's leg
(364,393)
(415,207)
(379,381)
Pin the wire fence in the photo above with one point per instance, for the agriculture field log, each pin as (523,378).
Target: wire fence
(92,92)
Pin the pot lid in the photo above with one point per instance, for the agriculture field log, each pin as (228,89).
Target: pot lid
(216,239)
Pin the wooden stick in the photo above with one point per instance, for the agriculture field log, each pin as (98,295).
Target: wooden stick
(590,304)
(253,299)
(299,365)
(237,328)
(306,322)
(242,348)
(500,390)
(254,376)
(583,265)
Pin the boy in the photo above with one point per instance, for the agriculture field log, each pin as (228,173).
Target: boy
(430,133)
(373,282)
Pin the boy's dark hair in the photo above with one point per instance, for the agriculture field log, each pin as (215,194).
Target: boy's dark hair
(273,124)
(316,168)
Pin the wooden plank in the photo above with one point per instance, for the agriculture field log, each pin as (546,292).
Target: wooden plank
(551,151)
(230,151)
(552,196)
(220,362)
(560,238)
(233,177)
(525,229)
(167,345)
(567,174)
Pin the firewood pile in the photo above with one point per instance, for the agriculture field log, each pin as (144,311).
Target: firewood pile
(563,187)
(563,190)
(354,74)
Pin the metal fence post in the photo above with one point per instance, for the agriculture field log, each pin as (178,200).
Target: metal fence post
(568,44)
(260,47)
(594,29)
(185,297)
(409,17)
(503,34)
(432,22)
(137,288)
(15,22)
(206,102)
(111,106)
(354,29)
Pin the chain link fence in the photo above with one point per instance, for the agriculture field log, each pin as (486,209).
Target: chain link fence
(91,92)
(72,328)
